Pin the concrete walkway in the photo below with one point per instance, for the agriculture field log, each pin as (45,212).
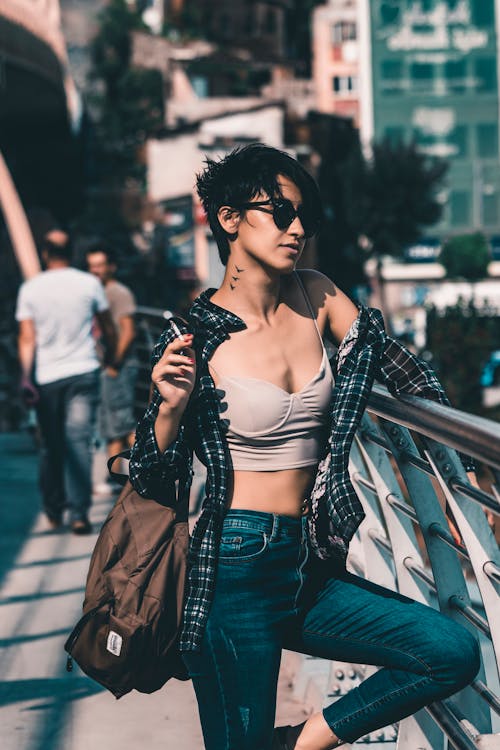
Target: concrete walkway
(42,578)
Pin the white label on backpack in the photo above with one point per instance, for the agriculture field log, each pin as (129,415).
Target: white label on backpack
(114,644)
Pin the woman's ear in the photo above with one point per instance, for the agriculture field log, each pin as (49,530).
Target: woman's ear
(229,219)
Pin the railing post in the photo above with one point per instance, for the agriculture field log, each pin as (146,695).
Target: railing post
(447,571)
(418,730)
(474,529)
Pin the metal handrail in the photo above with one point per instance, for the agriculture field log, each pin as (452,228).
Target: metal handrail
(468,433)
(441,430)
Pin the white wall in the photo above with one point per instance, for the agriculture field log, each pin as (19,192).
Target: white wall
(173,162)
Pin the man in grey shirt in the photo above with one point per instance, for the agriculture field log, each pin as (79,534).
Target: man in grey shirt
(116,415)
(56,311)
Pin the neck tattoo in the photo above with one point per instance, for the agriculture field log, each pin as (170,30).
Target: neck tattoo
(235,278)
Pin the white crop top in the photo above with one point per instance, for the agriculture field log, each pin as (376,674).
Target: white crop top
(269,429)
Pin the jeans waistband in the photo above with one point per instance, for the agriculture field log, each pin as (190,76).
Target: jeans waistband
(271,524)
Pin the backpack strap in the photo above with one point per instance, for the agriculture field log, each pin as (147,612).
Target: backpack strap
(183,493)
(121,479)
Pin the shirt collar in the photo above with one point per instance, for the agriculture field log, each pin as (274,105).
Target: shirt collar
(213,317)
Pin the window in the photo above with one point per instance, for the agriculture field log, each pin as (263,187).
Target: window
(483,12)
(460,207)
(225,24)
(490,208)
(422,72)
(389,13)
(422,77)
(394,135)
(271,24)
(343,31)
(424,139)
(392,69)
(487,140)
(486,74)
(459,137)
(345,84)
(455,72)
(249,25)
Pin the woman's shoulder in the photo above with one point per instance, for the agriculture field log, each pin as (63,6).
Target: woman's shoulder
(322,291)
(312,279)
(328,300)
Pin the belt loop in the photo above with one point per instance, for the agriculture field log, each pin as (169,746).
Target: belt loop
(274,530)
(304,529)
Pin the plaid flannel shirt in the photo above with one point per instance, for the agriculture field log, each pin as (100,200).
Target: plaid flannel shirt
(365,353)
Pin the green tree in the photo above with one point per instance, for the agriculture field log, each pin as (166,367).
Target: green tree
(130,107)
(338,254)
(461,338)
(466,256)
(391,198)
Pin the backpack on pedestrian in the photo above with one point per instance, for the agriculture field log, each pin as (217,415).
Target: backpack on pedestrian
(127,637)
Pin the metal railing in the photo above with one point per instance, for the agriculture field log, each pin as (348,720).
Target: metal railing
(407,543)
(426,535)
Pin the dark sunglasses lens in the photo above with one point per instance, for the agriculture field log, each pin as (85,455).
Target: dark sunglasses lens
(284,213)
(310,225)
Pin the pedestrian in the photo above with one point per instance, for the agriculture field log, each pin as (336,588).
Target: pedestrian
(55,310)
(251,390)
(116,412)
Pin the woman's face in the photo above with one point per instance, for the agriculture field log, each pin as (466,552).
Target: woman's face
(259,238)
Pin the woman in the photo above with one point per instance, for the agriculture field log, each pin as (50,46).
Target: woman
(250,389)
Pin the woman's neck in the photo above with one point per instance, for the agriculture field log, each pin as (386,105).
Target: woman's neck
(249,291)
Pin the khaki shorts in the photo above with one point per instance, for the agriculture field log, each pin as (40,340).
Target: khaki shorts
(116,413)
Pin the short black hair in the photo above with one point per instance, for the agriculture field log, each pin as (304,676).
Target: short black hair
(62,250)
(100,246)
(244,173)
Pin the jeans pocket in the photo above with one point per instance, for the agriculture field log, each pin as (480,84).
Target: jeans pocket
(242,545)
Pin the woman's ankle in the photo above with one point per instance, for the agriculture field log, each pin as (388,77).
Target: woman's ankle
(317,735)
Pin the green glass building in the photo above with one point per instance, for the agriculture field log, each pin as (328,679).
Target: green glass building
(434,79)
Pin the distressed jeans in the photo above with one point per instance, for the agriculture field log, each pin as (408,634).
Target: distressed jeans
(66,415)
(270,596)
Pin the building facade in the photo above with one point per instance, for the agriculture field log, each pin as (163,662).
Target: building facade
(259,27)
(335,32)
(430,75)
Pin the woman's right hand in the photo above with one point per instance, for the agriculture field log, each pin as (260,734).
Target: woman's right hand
(174,374)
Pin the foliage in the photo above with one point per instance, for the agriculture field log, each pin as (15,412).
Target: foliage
(392,197)
(461,338)
(466,256)
(130,107)
(298,32)
(338,254)
(111,48)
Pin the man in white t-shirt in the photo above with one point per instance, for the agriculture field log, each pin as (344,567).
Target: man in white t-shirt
(56,311)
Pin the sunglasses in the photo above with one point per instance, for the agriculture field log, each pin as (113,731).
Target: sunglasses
(284,212)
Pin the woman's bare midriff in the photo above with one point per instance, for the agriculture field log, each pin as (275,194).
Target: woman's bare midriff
(283,492)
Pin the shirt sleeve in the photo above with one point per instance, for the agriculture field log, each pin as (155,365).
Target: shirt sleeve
(150,470)
(24,310)
(100,300)
(124,303)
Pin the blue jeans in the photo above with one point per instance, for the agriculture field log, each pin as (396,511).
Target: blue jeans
(66,416)
(270,596)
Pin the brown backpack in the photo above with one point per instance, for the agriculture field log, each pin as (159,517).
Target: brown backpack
(127,638)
